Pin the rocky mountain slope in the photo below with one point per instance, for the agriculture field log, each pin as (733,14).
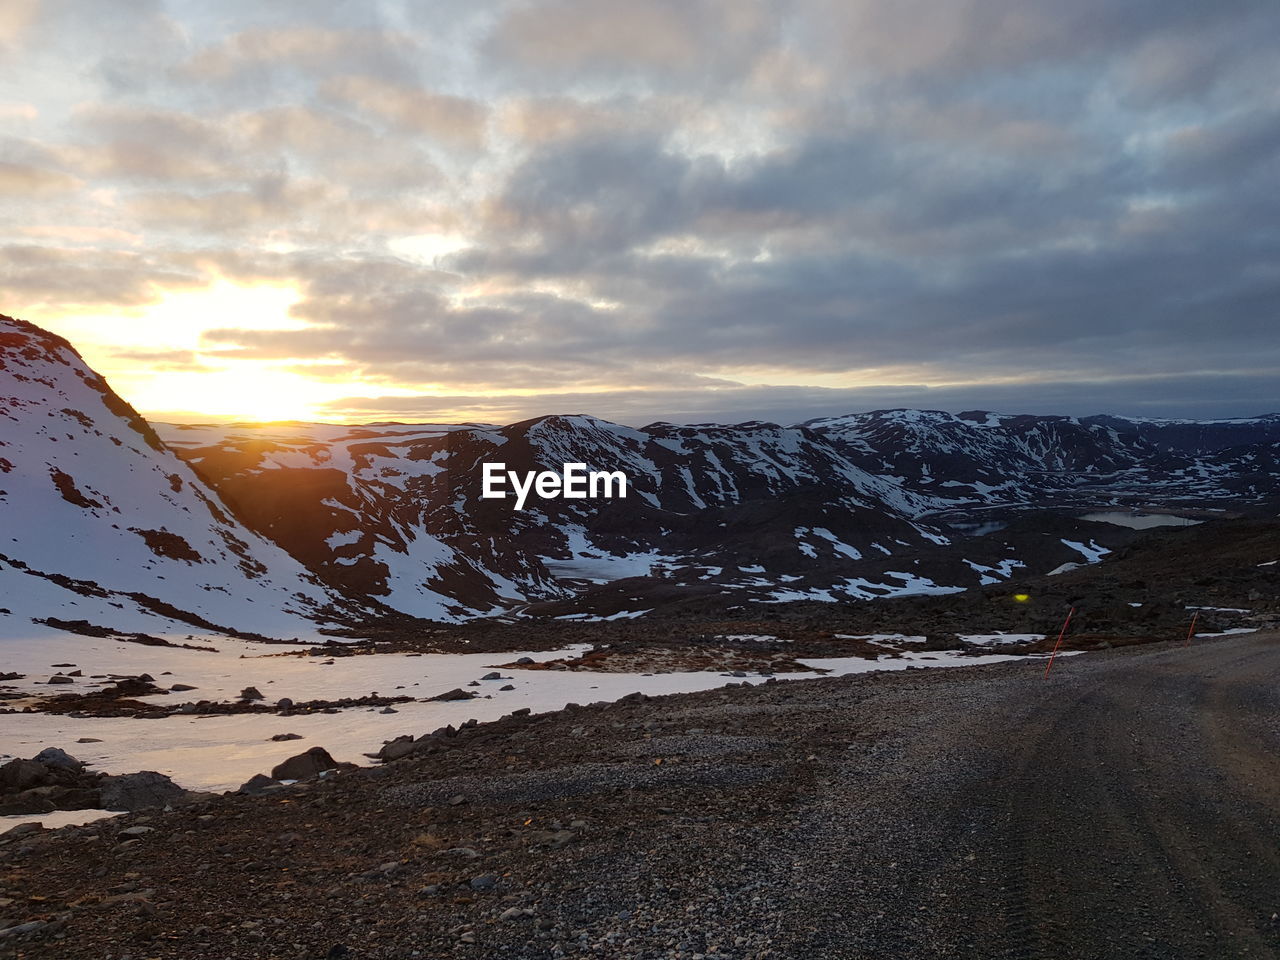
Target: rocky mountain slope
(978,457)
(848,508)
(273,527)
(396,511)
(102,527)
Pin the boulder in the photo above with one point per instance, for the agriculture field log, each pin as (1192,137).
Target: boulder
(397,748)
(23,830)
(144,790)
(304,765)
(59,678)
(457,693)
(260,783)
(251,693)
(26,803)
(60,759)
(18,775)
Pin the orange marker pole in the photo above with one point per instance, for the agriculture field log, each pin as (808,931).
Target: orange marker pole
(1062,633)
(1191,629)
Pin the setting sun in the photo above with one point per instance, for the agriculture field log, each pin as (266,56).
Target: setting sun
(158,360)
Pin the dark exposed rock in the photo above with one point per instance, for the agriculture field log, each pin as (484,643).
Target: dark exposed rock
(260,783)
(19,775)
(54,757)
(304,765)
(397,748)
(457,693)
(139,791)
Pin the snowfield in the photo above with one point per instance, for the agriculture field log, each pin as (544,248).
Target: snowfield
(219,753)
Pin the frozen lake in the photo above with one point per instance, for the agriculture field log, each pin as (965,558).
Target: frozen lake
(1139,521)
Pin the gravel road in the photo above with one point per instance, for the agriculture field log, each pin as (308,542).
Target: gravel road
(1126,807)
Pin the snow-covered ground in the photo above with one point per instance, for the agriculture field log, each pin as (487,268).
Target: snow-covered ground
(219,753)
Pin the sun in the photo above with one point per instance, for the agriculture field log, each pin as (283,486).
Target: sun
(155,357)
(239,391)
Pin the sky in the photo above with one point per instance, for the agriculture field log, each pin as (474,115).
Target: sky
(686,210)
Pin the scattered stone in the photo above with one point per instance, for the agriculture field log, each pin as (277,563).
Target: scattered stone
(138,831)
(504,689)
(284,703)
(88,740)
(281,737)
(251,693)
(492,676)
(182,687)
(59,678)
(486,881)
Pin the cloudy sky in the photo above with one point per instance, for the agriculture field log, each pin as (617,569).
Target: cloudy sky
(649,209)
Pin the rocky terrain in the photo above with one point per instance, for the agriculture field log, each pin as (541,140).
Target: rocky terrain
(976,812)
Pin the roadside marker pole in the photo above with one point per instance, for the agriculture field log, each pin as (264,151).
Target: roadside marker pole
(1062,633)
(1191,629)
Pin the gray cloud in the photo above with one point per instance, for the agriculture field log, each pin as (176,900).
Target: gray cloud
(48,276)
(661,203)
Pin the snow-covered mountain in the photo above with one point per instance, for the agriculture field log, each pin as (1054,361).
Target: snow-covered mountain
(1196,437)
(103,526)
(986,458)
(272,528)
(395,511)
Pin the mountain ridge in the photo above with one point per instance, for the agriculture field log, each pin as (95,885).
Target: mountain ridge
(367,520)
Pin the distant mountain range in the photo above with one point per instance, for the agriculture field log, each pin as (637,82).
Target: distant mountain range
(109,523)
